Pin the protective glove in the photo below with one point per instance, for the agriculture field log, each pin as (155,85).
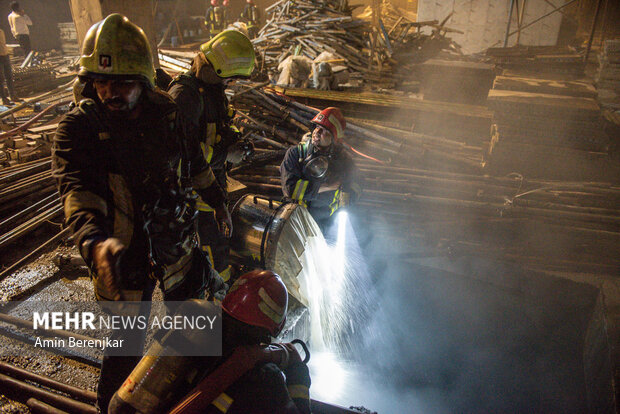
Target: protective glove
(106,255)
(283,354)
(344,199)
(216,287)
(224,222)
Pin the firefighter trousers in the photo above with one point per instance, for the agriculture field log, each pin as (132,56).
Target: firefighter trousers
(215,246)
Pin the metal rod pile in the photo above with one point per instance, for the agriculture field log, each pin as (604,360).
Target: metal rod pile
(44,392)
(430,194)
(34,79)
(28,199)
(310,27)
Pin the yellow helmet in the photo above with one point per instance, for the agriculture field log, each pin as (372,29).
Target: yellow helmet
(231,53)
(117,48)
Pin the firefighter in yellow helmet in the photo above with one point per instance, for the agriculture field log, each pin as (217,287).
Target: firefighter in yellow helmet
(115,159)
(199,93)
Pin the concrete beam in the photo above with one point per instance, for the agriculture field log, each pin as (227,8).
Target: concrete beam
(87,12)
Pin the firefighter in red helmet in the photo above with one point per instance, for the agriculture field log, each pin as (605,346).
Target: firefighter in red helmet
(255,309)
(318,172)
(253,376)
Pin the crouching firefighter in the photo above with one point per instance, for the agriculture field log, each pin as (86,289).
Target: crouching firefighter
(247,378)
(115,159)
(318,172)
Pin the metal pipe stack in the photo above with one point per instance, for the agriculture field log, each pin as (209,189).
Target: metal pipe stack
(430,194)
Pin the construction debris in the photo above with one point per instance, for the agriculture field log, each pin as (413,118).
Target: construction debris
(457,81)
(433,197)
(305,29)
(539,59)
(28,198)
(68,39)
(549,136)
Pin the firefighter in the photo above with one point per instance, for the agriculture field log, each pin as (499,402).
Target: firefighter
(214,19)
(115,159)
(224,14)
(199,93)
(251,16)
(318,172)
(247,378)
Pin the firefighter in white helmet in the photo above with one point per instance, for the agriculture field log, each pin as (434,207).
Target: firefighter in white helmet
(318,172)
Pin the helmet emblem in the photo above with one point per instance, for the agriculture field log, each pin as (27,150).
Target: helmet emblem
(105,62)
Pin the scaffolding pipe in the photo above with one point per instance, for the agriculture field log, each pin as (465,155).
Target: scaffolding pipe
(512,5)
(47,396)
(6,272)
(23,374)
(39,407)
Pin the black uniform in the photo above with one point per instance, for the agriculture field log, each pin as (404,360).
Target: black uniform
(215,20)
(251,16)
(111,173)
(267,389)
(204,109)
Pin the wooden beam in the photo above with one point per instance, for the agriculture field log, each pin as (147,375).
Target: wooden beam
(85,13)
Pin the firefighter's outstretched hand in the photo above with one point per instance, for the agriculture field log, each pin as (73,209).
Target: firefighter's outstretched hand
(224,221)
(106,254)
(293,355)
(344,199)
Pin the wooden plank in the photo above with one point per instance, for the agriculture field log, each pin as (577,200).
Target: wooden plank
(85,13)
(548,162)
(377,99)
(546,86)
(527,102)
(44,128)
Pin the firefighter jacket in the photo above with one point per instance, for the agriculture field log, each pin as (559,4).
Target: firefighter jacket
(215,20)
(264,390)
(242,381)
(110,172)
(303,189)
(250,15)
(206,116)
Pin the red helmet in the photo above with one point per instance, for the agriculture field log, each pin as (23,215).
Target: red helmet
(332,119)
(213,3)
(225,3)
(258,298)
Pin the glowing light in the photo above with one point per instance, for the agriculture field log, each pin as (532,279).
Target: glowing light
(329,376)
